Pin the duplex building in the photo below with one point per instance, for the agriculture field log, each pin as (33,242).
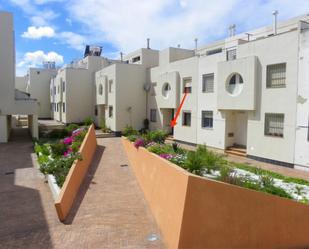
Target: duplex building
(12,101)
(246,94)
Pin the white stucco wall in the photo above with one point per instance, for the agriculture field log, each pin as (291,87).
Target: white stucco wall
(302,130)
(39,88)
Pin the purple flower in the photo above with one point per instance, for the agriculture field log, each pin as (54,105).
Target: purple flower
(139,142)
(77,132)
(68,140)
(166,156)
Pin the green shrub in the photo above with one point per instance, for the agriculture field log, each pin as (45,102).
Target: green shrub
(88,121)
(157,136)
(128,131)
(42,149)
(57,134)
(194,163)
(161,149)
(80,137)
(225,173)
(70,128)
(75,146)
(133,138)
(58,149)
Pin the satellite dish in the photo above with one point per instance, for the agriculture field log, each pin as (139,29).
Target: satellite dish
(147,87)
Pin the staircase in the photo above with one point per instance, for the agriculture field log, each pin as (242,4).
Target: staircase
(236,150)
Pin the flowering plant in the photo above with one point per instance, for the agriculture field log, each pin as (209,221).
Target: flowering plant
(68,140)
(166,156)
(139,142)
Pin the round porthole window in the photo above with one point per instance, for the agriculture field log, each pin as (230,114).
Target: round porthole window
(235,84)
(166,90)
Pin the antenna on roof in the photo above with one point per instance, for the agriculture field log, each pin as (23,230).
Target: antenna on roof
(232,30)
(178,46)
(195,41)
(275,14)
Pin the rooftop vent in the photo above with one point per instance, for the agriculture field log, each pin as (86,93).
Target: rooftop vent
(92,51)
(275,14)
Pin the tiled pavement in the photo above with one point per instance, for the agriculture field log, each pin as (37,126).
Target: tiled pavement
(110,211)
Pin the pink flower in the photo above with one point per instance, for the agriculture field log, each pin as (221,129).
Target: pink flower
(68,140)
(68,152)
(77,132)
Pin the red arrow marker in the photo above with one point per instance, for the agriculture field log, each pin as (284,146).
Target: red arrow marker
(174,121)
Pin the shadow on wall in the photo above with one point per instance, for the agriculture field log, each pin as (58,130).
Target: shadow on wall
(22,217)
(88,181)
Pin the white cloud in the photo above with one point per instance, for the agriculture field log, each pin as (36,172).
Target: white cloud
(38,32)
(168,23)
(35,59)
(73,40)
(38,16)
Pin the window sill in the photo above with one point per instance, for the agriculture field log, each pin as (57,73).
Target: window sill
(208,128)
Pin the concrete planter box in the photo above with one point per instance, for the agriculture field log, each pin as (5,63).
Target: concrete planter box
(54,188)
(76,175)
(195,212)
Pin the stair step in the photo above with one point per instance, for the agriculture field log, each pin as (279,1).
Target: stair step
(236,153)
(237,149)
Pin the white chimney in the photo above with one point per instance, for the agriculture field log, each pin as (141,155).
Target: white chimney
(121,56)
(275,14)
(195,41)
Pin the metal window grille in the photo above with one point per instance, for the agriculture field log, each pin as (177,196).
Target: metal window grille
(208,83)
(186,118)
(231,54)
(276,75)
(207,119)
(153,115)
(274,124)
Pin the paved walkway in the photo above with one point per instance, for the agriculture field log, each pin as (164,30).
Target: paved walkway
(110,211)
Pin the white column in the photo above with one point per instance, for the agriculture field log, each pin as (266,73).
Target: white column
(3,129)
(35,126)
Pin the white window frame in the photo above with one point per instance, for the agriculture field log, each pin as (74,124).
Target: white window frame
(208,87)
(271,128)
(210,116)
(276,79)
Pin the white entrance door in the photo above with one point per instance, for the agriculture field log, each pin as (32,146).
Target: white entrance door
(241,128)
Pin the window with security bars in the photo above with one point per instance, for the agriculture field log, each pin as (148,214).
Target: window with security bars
(153,115)
(208,83)
(231,54)
(274,124)
(207,119)
(276,75)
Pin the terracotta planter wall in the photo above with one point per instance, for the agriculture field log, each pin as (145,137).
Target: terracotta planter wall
(76,175)
(194,212)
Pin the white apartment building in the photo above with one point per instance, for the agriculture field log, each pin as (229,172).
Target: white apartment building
(12,101)
(72,91)
(120,90)
(21,83)
(38,85)
(248,91)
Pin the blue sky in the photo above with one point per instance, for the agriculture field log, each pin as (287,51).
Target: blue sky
(59,29)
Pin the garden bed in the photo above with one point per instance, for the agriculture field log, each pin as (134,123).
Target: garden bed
(221,205)
(65,164)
